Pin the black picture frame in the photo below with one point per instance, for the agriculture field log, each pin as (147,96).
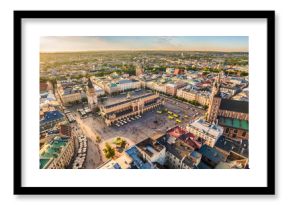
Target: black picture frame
(268,190)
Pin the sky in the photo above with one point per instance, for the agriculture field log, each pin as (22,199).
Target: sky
(105,43)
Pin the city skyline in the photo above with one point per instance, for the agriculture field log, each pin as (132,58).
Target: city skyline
(150,43)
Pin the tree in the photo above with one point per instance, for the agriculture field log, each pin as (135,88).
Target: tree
(98,138)
(109,151)
(120,142)
(244,73)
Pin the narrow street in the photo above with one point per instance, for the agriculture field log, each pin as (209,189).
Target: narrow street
(94,156)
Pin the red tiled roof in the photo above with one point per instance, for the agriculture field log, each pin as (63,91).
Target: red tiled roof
(190,140)
(176,132)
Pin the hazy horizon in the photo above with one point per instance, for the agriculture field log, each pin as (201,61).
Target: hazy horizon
(58,44)
(91,51)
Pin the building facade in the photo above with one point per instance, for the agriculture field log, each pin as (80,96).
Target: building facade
(210,133)
(178,71)
(234,152)
(169,70)
(68,92)
(50,119)
(152,151)
(179,155)
(202,97)
(65,129)
(130,106)
(122,86)
(171,89)
(70,98)
(159,87)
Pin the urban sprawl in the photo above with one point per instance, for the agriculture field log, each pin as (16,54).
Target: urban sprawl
(144,110)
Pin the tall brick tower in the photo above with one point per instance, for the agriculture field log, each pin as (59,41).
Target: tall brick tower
(215,101)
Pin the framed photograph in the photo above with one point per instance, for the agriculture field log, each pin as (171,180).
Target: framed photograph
(144,102)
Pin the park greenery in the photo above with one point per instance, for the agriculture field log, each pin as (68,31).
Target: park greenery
(109,151)
(240,61)
(120,142)
(156,70)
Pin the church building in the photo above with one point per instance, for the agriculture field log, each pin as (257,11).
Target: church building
(233,115)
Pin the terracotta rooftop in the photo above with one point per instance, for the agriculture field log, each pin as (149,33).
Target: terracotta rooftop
(176,132)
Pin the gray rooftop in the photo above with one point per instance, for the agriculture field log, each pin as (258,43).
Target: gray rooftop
(234,105)
(122,98)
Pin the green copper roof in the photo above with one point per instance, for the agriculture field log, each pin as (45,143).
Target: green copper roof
(43,162)
(52,151)
(235,123)
(245,124)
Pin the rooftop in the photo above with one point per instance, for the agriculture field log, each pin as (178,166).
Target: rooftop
(176,132)
(240,147)
(150,146)
(65,83)
(125,81)
(111,164)
(235,105)
(191,140)
(71,90)
(137,160)
(52,150)
(210,154)
(235,123)
(195,91)
(44,162)
(225,144)
(122,81)
(179,149)
(122,98)
(51,116)
(124,161)
(97,88)
(203,165)
(205,127)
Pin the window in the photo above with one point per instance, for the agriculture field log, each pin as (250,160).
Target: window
(244,133)
(227,130)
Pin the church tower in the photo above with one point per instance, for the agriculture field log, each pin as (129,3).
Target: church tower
(139,69)
(91,96)
(215,101)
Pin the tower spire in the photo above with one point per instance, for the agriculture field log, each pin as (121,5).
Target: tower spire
(216,86)
(219,78)
(90,84)
(215,101)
